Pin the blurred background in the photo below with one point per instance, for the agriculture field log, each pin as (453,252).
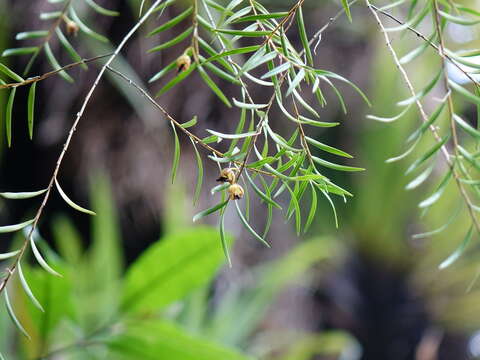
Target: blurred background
(367,290)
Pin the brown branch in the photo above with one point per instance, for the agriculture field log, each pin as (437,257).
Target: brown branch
(51,73)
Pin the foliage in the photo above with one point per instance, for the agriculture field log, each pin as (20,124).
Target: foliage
(242,42)
(159,307)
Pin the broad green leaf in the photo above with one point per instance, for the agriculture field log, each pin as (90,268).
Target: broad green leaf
(159,339)
(171,268)
(70,202)
(31,108)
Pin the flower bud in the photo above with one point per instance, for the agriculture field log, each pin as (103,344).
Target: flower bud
(72,27)
(227,175)
(183,62)
(235,191)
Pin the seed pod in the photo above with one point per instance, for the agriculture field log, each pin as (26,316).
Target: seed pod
(235,191)
(183,62)
(72,27)
(227,175)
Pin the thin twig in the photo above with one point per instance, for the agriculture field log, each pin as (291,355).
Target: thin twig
(433,45)
(191,135)
(51,73)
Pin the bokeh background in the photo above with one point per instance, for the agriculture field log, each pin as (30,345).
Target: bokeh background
(367,290)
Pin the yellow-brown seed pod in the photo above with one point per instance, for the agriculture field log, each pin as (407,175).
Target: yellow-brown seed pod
(235,191)
(227,175)
(183,62)
(72,27)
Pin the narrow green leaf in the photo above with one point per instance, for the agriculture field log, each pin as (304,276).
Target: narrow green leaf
(327,148)
(69,48)
(208,80)
(247,106)
(211,210)
(56,66)
(437,194)
(176,154)
(101,10)
(172,22)
(335,166)
(244,33)
(164,71)
(31,108)
(427,124)
(313,209)
(84,28)
(346,7)
(27,289)
(420,179)
(198,186)
(260,193)
(31,34)
(8,116)
(22,195)
(433,150)
(303,36)
(464,92)
(231,136)
(176,80)
(298,214)
(40,260)
(223,238)
(241,50)
(12,315)
(70,202)
(457,19)
(389,119)
(467,127)
(10,73)
(19,51)
(189,123)
(279,69)
(15,227)
(248,227)
(8,255)
(177,39)
(458,252)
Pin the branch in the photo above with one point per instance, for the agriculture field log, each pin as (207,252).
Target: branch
(424,117)
(51,73)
